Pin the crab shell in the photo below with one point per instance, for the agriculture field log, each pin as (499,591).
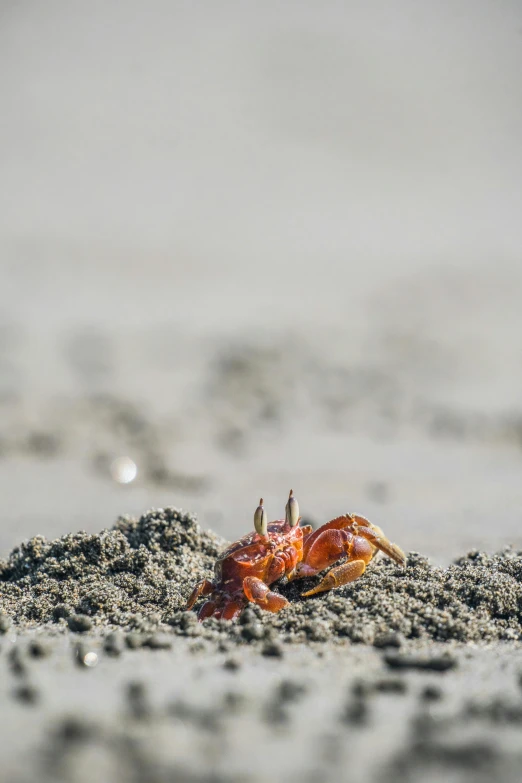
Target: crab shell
(254,557)
(265,558)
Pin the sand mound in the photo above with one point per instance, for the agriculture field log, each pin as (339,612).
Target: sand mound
(139,573)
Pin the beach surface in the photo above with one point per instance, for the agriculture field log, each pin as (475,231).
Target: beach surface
(244,249)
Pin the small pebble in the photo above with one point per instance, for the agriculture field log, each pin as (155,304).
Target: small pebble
(113,644)
(137,701)
(431,693)
(247,617)
(135,640)
(158,642)
(252,632)
(272,649)
(61,612)
(72,730)
(16,662)
(390,639)
(38,649)
(436,663)
(391,686)
(79,623)
(356,712)
(26,693)
(232,664)
(361,689)
(290,691)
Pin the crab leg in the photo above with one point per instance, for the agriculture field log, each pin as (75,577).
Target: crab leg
(202,588)
(336,577)
(376,537)
(259,593)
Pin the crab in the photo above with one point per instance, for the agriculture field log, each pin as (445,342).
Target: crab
(245,570)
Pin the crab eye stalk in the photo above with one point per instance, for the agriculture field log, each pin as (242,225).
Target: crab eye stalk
(261,519)
(292,510)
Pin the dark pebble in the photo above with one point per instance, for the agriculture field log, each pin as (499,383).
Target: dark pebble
(247,617)
(356,712)
(184,620)
(290,691)
(26,693)
(44,444)
(158,642)
(252,632)
(16,662)
(5,623)
(137,701)
(390,639)
(272,649)
(61,612)
(73,730)
(432,693)
(232,664)
(113,644)
(435,663)
(135,640)
(391,686)
(79,623)
(38,649)
(361,689)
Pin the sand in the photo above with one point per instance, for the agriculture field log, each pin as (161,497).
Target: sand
(248,249)
(94,636)
(138,574)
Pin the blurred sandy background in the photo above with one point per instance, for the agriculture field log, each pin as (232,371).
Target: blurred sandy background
(261,245)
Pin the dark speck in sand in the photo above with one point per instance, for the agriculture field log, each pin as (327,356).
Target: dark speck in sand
(356,712)
(135,640)
(26,693)
(390,639)
(272,649)
(158,642)
(290,691)
(432,693)
(113,644)
(396,686)
(436,663)
(79,623)
(138,574)
(38,649)
(232,664)
(73,730)
(16,662)
(137,701)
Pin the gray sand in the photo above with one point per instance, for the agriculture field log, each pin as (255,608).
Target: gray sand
(135,689)
(139,573)
(248,247)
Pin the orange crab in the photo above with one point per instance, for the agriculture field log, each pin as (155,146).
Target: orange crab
(244,571)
